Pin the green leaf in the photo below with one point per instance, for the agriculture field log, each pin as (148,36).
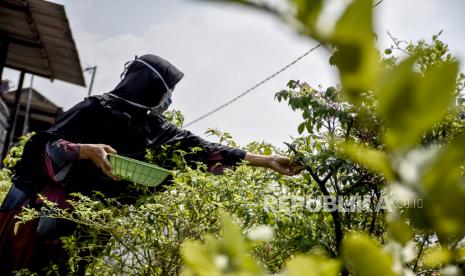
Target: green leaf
(308,12)
(355,24)
(356,57)
(232,236)
(436,257)
(443,183)
(406,101)
(301,128)
(197,260)
(309,126)
(400,231)
(374,160)
(365,257)
(233,244)
(320,266)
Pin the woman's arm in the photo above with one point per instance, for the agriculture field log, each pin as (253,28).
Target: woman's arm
(98,154)
(218,157)
(59,155)
(278,163)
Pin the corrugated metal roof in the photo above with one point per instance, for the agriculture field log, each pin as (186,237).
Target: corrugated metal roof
(41,41)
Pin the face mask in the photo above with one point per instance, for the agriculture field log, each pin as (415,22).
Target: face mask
(163,105)
(165,101)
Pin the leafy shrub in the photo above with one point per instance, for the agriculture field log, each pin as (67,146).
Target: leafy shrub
(14,154)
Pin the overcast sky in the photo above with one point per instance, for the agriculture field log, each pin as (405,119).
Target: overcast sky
(223,50)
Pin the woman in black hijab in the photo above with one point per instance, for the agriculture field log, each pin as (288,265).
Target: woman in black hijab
(73,156)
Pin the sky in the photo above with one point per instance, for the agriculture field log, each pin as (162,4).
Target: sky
(224,50)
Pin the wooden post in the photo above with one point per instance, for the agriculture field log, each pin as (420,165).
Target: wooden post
(11,128)
(4,42)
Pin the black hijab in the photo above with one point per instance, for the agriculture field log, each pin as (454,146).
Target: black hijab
(115,120)
(142,86)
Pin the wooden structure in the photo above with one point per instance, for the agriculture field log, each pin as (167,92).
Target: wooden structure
(35,38)
(42,112)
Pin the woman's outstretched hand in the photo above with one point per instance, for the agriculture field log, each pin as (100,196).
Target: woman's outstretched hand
(281,164)
(98,154)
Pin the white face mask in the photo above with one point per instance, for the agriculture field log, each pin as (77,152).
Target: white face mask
(166,99)
(163,105)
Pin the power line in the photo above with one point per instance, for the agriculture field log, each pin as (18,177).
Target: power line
(377,3)
(254,87)
(261,82)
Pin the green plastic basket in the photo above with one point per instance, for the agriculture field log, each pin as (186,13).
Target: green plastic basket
(137,171)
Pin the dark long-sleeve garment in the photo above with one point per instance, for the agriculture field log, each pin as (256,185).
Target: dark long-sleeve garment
(122,123)
(121,119)
(98,120)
